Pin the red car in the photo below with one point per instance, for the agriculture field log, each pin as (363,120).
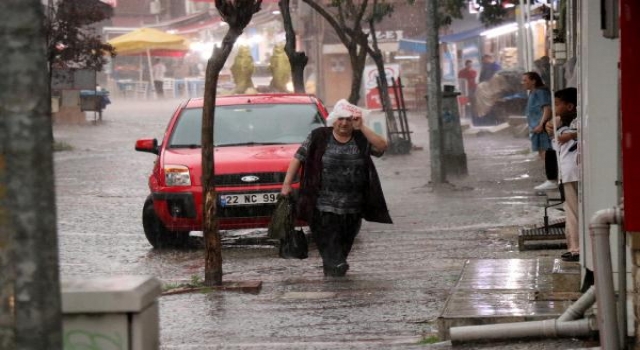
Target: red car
(255,137)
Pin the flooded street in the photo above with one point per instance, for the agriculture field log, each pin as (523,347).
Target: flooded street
(400,274)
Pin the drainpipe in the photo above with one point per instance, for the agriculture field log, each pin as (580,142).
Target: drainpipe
(565,326)
(581,305)
(519,330)
(599,227)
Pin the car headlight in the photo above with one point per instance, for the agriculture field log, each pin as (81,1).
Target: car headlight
(177,175)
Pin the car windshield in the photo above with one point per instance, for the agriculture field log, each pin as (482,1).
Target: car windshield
(261,124)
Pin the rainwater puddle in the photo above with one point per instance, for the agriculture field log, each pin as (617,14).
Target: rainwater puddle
(510,197)
(519,177)
(308,295)
(511,200)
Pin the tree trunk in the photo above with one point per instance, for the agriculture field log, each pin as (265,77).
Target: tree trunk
(298,60)
(30,291)
(237,15)
(387,106)
(434,95)
(357,53)
(357,56)
(212,243)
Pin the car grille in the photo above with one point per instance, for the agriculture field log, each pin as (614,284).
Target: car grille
(263,179)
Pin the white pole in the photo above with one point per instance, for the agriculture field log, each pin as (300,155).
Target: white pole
(150,69)
(141,67)
(522,43)
(530,48)
(552,86)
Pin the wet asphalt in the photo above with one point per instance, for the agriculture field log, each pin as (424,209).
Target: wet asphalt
(400,274)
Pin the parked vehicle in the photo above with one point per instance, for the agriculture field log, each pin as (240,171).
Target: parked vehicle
(255,137)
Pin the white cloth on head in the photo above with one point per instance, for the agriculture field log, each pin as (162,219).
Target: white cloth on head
(344,109)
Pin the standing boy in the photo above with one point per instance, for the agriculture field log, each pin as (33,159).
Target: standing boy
(566,145)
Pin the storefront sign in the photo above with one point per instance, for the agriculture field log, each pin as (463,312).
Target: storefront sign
(370,75)
(385,36)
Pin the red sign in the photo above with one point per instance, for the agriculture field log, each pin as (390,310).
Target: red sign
(369,82)
(373,99)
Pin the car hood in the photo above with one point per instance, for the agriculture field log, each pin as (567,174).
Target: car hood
(234,160)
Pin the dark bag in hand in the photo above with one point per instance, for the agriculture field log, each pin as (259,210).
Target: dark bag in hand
(282,219)
(294,245)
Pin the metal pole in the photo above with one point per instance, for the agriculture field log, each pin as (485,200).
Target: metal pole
(319,33)
(571,26)
(434,97)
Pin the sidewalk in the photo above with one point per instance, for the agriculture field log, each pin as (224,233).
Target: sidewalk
(515,287)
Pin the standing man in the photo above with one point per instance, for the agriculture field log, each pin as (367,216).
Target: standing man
(340,185)
(468,74)
(489,68)
(538,112)
(159,71)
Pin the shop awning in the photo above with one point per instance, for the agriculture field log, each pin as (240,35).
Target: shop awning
(462,36)
(419,44)
(146,40)
(413,45)
(181,21)
(192,28)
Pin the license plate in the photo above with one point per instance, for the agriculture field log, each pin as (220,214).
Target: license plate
(248,198)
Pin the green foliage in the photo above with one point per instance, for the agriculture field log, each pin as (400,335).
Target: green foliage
(450,10)
(380,11)
(196,281)
(171,286)
(432,339)
(493,12)
(71,41)
(61,147)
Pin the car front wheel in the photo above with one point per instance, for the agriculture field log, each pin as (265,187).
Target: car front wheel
(155,231)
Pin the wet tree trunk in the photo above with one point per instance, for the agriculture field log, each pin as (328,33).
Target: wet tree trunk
(30,311)
(358,56)
(237,15)
(212,243)
(387,106)
(351,38)
(298,60)
(434,95)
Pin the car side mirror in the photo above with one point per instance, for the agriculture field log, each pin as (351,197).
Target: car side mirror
(147,145)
